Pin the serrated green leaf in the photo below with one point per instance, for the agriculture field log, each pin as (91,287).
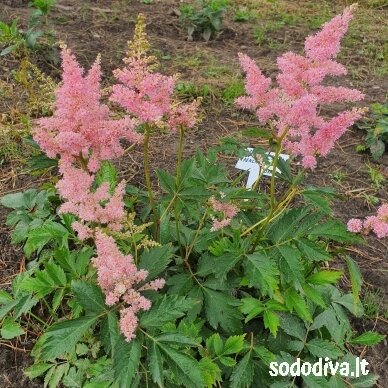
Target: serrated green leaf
(251,307)
(155,364)
(369,338)
(367,381)
(264,354)
(89,296)
(242,375)
(126,358)
(290,264)
(61,337)
(324,277)
(323,348)
(155,260)
(10,329)
(294,301)
(167,309)
(36,370)
(214,344)
(334,230)
(5,297)
(271,321)
(211,373)
(262,272)
(234,344)
(355,278)
(311,250)
(108,174)
(109,331)
(176,338)
(56,273)
(221,310)
(185,368)
(227,361)
(314,295)
(293,326)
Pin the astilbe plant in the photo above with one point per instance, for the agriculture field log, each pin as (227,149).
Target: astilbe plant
(83,134)
(243,278)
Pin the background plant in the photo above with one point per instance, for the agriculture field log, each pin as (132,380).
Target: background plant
(205,19)
(376,127)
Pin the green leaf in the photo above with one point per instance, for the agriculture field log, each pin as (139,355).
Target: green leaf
(293,326)
(211,373)
(110,332)
(5,297)
(13,201)
(290,264)
(126,358)
(185,368)
(89,296)
(355,278)
(221,310)
(155,260)
(295,302)
(49,231)
(227,361)
(167,309)
(262,272)
(56,273)
(369,338)
(370,380)
(36,370)
(107,173)
(311,250)
(167,181)
(214,344)
(323,348)
(271,321)
(234,344)
(334,230)
(10,329)
(264,354)
(251,307)
(313,295)
(242,375)
(325,277)
(155,364)
(217,265)
(284,227)
(318,200)
(61,337)
(176,338)
(257,132)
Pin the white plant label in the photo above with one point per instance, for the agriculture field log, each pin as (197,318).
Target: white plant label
(249,163)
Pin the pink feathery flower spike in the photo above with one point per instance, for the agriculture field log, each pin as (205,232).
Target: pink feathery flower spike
(294,105)
(120,280)
(228,211)
(377,224)
(81,125)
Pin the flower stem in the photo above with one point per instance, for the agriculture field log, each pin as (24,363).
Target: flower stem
(147,175)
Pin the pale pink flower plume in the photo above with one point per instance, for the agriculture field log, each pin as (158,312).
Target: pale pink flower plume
(377,224)
(228,211)
(294,106)
(81,125)
(142,93)
(354,225)
(90,205)
(183,115)
(121,281)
